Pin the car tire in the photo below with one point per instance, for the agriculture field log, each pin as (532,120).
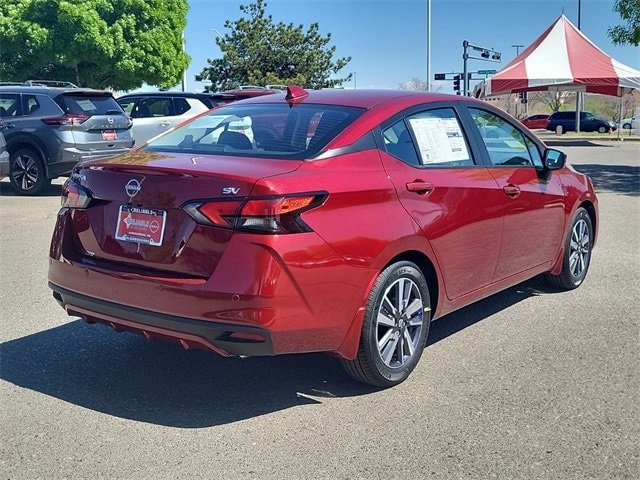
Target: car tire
(27,173)
(626,126)
(602,129)
(577,253)
(398,308)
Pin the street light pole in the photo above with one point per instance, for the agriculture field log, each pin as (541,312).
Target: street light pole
(428,45)
(184,74)
(578,93)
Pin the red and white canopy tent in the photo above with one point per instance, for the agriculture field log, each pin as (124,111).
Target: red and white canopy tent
(563,59)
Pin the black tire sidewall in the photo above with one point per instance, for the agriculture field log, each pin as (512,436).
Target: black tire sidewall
(41,182)
(387,375)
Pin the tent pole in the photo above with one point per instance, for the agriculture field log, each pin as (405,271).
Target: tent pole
(620,119)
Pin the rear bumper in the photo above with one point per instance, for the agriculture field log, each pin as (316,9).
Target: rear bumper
(69,157)
(224,339)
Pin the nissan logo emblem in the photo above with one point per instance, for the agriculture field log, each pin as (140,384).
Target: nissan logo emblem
(132,187)
(110,120)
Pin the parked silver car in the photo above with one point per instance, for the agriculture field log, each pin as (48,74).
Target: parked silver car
(49,129)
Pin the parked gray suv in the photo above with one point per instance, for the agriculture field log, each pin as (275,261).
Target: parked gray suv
(49,129)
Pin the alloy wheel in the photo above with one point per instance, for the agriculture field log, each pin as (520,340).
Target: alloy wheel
(399,322)
(580,248)
(25,172)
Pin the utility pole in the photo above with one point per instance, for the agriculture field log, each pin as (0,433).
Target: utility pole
(578,93)
(428,45)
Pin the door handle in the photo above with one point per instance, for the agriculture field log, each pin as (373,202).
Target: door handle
(511,191)
(420,187)
(165,124)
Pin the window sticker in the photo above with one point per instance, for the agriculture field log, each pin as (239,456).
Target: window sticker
(439,140)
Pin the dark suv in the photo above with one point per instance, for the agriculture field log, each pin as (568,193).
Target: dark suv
(50,129)
(588,122)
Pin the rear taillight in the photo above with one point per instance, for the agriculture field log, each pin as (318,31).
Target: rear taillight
(67,119)
(279,214)
(74,195)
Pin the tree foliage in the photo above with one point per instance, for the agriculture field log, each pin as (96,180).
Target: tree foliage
(95,43)
(629,11)
(258,51)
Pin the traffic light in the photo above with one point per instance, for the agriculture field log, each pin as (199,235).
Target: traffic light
(456,83)
(440,76)
(523,97)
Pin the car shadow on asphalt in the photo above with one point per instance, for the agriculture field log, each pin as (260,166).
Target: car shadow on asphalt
(624,179)
(123,375)
(53,190)
(575,143)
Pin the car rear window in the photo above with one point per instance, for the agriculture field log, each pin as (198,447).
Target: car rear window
(88,104)
(260,130)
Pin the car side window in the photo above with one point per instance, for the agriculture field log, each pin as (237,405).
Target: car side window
(439,140)
(397,142)
(31,104)
(127,105)
(180,105)
(506,144)
(536,157)
(9,105)
(153,107)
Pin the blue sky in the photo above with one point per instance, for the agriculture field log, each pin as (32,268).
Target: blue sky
(387,39)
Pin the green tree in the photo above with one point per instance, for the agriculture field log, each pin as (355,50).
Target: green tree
(259,52)
(94,43)
(629,11)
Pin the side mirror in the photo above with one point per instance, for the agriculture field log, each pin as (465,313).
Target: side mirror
(554,159)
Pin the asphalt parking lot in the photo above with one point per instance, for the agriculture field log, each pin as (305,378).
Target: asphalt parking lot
(527,384)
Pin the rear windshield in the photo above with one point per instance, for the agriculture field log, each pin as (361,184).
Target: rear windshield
(89,104)
(260,130)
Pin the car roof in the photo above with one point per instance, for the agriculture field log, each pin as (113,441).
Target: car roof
(51,91)
(362,98)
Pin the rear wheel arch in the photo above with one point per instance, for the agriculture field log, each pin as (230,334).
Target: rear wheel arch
(591,210)
(349,347)
(27,143)
(427,267)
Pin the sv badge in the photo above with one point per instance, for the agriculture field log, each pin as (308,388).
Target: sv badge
(230,190)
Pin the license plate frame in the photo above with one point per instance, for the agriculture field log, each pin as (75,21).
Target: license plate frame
(141,225)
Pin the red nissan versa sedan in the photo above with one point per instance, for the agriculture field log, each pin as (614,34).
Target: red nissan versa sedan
(345,224)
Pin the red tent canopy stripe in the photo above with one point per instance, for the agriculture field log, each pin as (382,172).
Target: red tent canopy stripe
(563,58)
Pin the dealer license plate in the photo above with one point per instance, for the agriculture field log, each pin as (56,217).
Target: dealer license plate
(109,135)
(141,225)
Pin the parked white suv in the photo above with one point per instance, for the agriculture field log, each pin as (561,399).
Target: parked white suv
(153,113)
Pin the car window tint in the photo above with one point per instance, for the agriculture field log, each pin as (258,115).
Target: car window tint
(88,104)
(536,157)
(397,142)
(9,105)
(505,143)
(154,107)
(180,105)
(31,104)
(269,130)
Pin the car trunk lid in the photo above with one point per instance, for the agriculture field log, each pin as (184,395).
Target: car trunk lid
(149,190)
